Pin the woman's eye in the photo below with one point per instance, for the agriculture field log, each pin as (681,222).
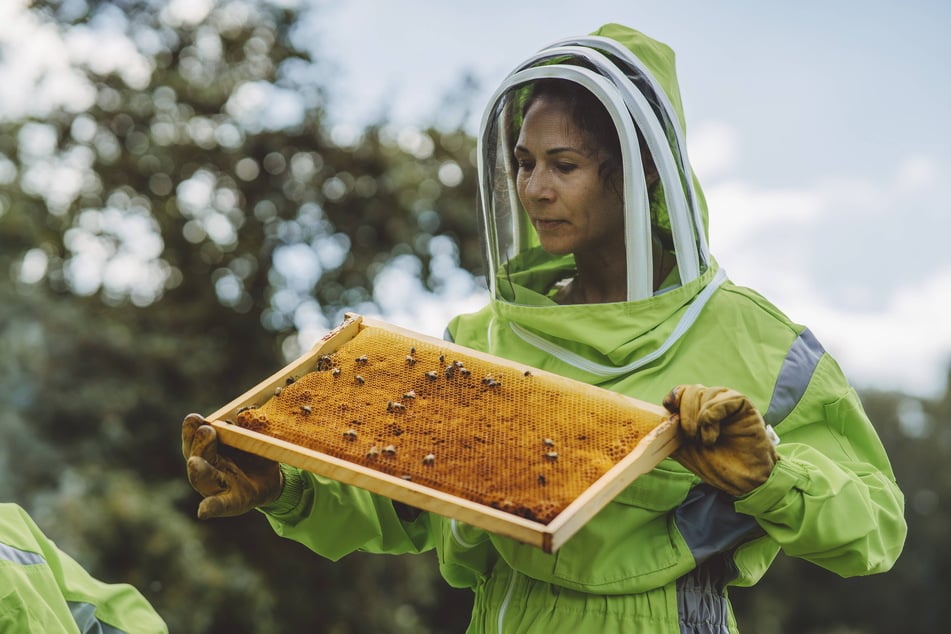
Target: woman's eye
(525,164)
(565,168)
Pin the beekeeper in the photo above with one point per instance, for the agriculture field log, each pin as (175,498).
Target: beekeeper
(599,269)
(42,589)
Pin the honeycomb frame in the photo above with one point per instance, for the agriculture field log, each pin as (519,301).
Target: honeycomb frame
(450,430)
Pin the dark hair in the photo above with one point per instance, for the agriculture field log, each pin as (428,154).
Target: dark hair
(586,112)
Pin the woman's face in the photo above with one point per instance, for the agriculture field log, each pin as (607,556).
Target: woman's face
(559,185)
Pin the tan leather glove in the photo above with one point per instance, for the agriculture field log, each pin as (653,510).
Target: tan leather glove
(723,437)
(232,481)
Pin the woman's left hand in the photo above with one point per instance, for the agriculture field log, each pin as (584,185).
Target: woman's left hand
(724,440)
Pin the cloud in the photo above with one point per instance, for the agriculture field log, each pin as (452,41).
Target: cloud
(859,261)
(712,149)
(906,346)
(916,173)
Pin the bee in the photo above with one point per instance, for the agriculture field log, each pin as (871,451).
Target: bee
(278,390)
(491,383)
(465,371)
(362,360)
(551,455)
(306,409)
(335,372)
(350,434)
(429,459)
(542,480)
(410,359)
(289,380)
(323,362)
(412,350)
(442,358)
(450,370)
(410,394)
(548,442)
(527,373)
(486,379)
(458,364)
(389,450)
(359,379)
(431,375)
(407,477)
(373,452)
(394,406)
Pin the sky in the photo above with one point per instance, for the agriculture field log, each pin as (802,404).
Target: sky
(820,132)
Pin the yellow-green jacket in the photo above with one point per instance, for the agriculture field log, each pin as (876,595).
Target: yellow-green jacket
(660,555)
(42,589)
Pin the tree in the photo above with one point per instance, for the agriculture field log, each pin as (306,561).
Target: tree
(149,230)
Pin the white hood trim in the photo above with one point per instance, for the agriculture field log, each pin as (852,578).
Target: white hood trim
(607,371)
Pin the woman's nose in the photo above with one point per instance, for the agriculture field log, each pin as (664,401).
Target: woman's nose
(538,185)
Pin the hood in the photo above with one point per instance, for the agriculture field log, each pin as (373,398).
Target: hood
(634,78)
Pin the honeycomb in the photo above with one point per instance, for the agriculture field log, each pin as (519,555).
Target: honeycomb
(496,435)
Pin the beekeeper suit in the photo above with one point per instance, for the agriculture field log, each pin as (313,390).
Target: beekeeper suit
(661,556)
(42,589)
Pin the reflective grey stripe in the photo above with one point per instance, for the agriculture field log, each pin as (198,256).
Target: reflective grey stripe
(708,522)
(702,607)
(794,377)
(706,518)
(85,616)
(710,525)
(83,613)
(17,556)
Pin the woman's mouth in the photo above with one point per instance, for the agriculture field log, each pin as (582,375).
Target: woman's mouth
(542,224)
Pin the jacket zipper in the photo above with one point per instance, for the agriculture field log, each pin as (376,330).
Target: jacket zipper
(510,587)
(505,602)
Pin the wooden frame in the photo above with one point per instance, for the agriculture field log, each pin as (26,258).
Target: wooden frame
(653,448)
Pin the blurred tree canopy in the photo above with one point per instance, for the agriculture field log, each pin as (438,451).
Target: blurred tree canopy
(177,220)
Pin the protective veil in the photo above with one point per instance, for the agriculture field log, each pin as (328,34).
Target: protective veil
(670,218)
(634,78)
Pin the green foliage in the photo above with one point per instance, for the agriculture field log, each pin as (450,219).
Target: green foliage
(158,296)
(154,286)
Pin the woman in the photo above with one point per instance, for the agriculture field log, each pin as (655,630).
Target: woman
(599,270)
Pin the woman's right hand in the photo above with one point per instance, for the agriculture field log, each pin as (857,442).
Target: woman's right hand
(231,481)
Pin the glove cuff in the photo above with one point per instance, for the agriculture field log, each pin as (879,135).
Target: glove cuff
(292,488)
